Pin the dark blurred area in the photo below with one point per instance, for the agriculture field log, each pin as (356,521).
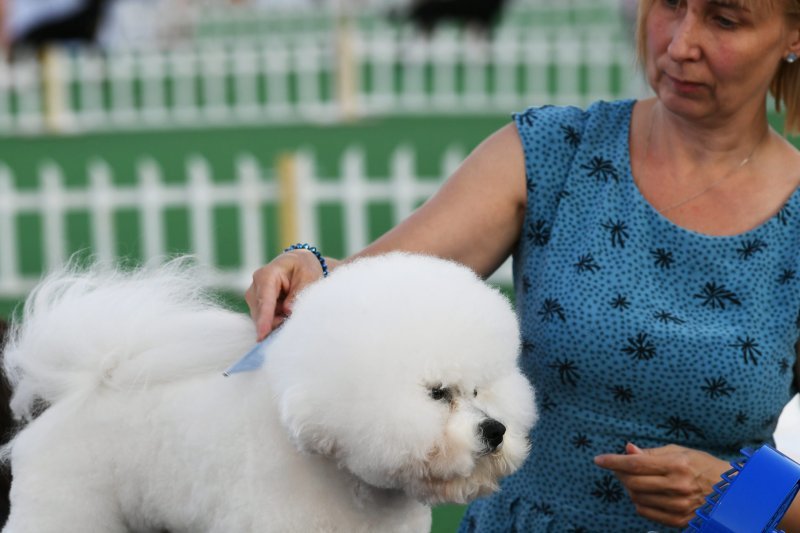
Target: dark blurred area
(79,24)
(478,15)
(32,24)
(6,428)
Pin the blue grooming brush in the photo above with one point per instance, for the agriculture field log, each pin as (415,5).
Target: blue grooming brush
(254,359)
(752,497)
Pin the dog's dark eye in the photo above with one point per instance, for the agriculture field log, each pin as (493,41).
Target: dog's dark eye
(475,393)
(440,394)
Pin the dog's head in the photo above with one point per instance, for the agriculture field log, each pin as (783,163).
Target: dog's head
(403,368)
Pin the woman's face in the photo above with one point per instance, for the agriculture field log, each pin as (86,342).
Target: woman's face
(711,59)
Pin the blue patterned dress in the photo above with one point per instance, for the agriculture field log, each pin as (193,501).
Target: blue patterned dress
(634,329)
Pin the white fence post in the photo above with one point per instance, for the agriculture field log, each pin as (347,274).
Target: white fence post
(183,70)
(276,73)
(52,201)
(245,75)
(445,59)
(6,87)
(101,209)
(151,198)
(403,182)
(9,278)
(307,185)
(87,73)
(250,198)
(354,199)
(27,88)
(568,57)
(121,72)
(214,67)
(200,206)
(152,73)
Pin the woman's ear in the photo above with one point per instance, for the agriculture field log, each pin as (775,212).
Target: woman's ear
(794,40)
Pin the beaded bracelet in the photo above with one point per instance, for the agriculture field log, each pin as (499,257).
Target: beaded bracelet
(313,250)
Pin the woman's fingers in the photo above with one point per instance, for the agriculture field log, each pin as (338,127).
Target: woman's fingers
(275,286)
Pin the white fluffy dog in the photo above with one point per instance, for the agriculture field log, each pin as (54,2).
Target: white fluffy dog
(393,385)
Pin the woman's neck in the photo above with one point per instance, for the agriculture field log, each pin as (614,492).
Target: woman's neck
(685,147)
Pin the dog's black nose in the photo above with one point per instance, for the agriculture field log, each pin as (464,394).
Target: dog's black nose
(492,433)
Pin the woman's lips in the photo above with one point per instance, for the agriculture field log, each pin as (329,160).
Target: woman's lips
(684,85)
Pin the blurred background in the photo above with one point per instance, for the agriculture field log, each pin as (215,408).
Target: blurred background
(138,129)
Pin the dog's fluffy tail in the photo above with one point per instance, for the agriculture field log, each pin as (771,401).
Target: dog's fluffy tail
(81,329)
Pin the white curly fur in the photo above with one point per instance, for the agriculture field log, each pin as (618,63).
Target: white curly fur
(339,431)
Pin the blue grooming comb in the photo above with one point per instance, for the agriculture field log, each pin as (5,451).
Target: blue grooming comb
(254,359)
(752,497)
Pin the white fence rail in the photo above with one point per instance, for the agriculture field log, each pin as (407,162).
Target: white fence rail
(312,79)
(200,195)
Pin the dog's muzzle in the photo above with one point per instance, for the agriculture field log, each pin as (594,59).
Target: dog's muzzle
(491,432)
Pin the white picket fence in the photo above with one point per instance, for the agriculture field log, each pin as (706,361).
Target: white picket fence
(252,188)
(311,78)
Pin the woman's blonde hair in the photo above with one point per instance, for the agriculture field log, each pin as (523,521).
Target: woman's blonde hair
(785,85)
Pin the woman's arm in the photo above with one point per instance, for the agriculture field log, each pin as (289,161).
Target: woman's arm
(476,217)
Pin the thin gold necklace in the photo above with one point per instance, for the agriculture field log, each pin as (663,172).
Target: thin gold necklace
(714,183)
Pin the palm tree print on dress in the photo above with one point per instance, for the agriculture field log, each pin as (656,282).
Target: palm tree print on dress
(579,529)
(608,489)
(561,195)
(678,427)
(551,309)
(768,422)
(618,231)
(527,117)
(741,418)
(667,318)
(640,348)
(749,348)
(784,367)
(715,296)
(547,404)
(543,508)
(539,233)
(601,169)
(663,258)
(717,387)
(581,442)
(571,136)
(784,215)
(786,276)
(622,393)
(586,263)
(751,247)
(620,302)
(526,283)
(527,346)
(567,371)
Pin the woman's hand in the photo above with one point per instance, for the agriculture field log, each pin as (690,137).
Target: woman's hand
(666,484)
(275,286)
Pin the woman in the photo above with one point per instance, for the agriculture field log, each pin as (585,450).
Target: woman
(655,259)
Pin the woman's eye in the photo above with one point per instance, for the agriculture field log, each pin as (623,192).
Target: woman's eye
(726,23)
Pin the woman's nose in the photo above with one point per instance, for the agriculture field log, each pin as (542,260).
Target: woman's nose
(685,43)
